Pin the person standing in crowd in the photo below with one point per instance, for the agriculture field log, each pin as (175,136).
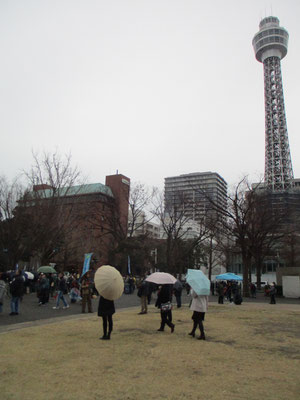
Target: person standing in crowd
(199,306)
(253,290)
(131,284)
(43,289)
(220,291)
(229,291)
(52,283)
(62,290)
(272,293)
(143,294)
(86,292)
(106,309)
(164,302)
(17,291)
(2,291)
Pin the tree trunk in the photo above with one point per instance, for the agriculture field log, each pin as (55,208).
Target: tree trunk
(258,272)
(210,260)
(246,268)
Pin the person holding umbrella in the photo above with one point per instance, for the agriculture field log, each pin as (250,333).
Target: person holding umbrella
(199,307)
(164,298)
(200,289)
(110,285)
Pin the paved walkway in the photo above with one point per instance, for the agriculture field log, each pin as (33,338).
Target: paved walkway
(31,314)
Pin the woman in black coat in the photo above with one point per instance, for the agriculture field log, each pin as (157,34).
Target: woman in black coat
(164,297)
(106,309)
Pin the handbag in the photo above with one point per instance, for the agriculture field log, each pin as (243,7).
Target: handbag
(166,306)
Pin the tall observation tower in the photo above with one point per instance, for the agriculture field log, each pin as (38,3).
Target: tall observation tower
(270,46)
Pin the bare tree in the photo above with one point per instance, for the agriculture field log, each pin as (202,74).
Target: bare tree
(13,225)
(174,220)
(50,202)
(139,199)
(251,221)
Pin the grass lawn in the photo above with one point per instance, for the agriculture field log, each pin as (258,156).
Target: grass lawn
(252,352)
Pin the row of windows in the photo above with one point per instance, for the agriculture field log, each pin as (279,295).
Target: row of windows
(268,267)
(268,32)
(271,39)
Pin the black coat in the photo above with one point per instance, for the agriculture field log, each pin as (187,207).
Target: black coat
(105,307)
(17,286)
(164,295)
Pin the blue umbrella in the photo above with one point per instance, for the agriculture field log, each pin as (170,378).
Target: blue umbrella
(198,282)
(229,276)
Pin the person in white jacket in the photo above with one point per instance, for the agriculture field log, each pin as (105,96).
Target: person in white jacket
(199,305)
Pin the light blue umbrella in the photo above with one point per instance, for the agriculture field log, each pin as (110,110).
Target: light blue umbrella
(229,276)
(198,282)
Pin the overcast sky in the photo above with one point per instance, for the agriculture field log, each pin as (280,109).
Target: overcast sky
(151,88)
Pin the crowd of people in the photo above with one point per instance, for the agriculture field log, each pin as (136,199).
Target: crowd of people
(15,284)
(82,289)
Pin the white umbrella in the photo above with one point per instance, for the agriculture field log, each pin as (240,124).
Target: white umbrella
(109,282)
(29,275)
(161,278)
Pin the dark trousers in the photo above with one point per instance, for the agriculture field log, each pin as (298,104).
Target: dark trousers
(178,300)
(221,300)
(273,301)
(166,318)
(107,319)
(44,296)
(201,327)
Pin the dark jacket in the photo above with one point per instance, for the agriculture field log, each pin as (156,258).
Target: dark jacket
(44,284)
(62,285)
(17,286)
(164,295)
(105,307)
(144,289)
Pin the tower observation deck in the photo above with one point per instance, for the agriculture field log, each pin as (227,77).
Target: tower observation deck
(270,44)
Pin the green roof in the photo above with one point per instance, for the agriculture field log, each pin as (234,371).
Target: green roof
(79,190)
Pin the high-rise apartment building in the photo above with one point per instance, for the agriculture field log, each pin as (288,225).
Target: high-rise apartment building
(196,193)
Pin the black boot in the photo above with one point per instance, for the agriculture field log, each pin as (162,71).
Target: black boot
(202,337)
(192,333)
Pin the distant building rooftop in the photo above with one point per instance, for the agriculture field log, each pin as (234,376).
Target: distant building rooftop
(79,190)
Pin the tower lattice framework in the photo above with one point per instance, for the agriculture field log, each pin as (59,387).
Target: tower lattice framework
(270,45)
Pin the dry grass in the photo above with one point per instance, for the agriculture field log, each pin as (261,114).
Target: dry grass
(252,352)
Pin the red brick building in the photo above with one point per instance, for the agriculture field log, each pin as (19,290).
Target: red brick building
(87,218)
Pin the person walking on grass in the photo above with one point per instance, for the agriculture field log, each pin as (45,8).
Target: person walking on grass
(164,302)
(199,305)
(62,290)
(106,309)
